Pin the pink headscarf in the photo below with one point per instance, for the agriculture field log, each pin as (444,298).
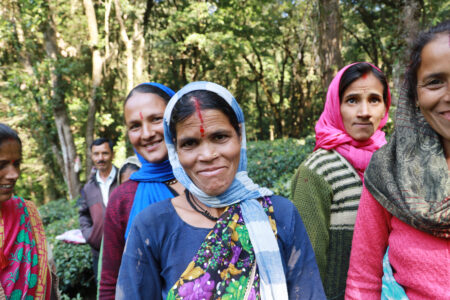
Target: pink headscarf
(331,134)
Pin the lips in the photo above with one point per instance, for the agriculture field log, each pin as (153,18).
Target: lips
(362,124)
(6,188)
(445,115)
(211,171)
(152,146)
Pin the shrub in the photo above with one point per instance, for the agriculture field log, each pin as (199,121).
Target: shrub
(273,163)
(73,262)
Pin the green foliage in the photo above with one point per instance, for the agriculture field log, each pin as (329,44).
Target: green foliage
(73,262)
(273,163)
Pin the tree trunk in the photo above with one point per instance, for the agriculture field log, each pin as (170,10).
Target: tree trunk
(97,64)
(128,45)
(330,37)
(60,114)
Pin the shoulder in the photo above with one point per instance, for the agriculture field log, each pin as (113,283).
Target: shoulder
(125,190)
(322,161)
(284,210)
(160,213)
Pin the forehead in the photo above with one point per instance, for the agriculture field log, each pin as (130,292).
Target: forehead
(10,149)
(140,102)
(365,83)
(435,55)
(101,148)
(212,119)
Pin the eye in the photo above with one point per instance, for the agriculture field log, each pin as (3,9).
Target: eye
(17,163)
(374,100)
(350,100)
(3,164)
(434,83)
(134,127)
(187,144)
(220,137)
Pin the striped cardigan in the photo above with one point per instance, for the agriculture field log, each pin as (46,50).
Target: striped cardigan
(326,191)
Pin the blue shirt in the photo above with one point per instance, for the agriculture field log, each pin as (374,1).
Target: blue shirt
(161,245)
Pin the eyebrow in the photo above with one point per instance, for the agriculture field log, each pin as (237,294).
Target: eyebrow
(440,74)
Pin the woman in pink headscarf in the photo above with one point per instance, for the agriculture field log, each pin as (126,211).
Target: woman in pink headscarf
(327,186)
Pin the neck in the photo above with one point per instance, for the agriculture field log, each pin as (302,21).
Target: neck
(104,174)
(214,211)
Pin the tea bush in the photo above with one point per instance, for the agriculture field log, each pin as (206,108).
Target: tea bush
(73,262)
(273,163)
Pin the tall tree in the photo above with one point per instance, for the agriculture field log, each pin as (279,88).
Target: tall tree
(330,38)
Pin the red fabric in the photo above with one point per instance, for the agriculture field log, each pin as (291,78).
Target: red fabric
(331,134)
(26,273)
(420,261)
(116,220)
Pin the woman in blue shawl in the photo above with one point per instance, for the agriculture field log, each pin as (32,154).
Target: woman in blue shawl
(225,237)
(143,113)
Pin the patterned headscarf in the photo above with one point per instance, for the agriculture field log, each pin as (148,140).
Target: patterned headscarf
(409,176)
(331,134)
(242,190)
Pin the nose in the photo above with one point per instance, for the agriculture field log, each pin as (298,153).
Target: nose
(207,152)
(12,172)
(364,109)
(147,131)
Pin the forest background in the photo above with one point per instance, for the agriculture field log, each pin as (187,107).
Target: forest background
(67,65)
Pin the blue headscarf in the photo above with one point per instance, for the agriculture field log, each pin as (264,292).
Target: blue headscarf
(242,190)
(151,178)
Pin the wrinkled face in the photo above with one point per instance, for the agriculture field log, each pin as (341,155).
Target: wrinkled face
(209,150)
(10,159)
(102,157)
(433,85)
(144,120)
(362,107)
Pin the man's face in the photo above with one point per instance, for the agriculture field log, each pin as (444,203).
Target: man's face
(102,157)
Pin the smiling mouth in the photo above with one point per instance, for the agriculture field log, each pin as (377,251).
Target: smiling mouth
(6,186)
(211,171)
(445,115)
(152,146)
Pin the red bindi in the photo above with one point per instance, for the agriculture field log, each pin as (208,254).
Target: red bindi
(364,76)
(140,115)
(199,113)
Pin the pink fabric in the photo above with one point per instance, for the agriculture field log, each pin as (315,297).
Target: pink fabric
(331,134)
(421,262)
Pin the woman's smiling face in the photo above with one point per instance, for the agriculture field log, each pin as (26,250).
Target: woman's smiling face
(10,159)
(144,121)
(433,86)
(208,148)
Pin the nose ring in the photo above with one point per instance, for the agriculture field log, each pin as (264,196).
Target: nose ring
(215,155)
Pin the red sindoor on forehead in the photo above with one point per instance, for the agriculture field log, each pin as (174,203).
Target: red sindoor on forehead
(141,116)
(199,114)
(364,76)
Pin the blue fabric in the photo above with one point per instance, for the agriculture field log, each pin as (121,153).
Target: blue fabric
(162,245)
(151,177)
(242,190)
(390,290)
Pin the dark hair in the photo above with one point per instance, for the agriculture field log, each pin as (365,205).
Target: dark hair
(185,107)
(7,133)
(144,88)
(101,141)
(125,167)
(357,71)
(415,55)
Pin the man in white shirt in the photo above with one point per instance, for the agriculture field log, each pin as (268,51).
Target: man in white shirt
(95,195)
